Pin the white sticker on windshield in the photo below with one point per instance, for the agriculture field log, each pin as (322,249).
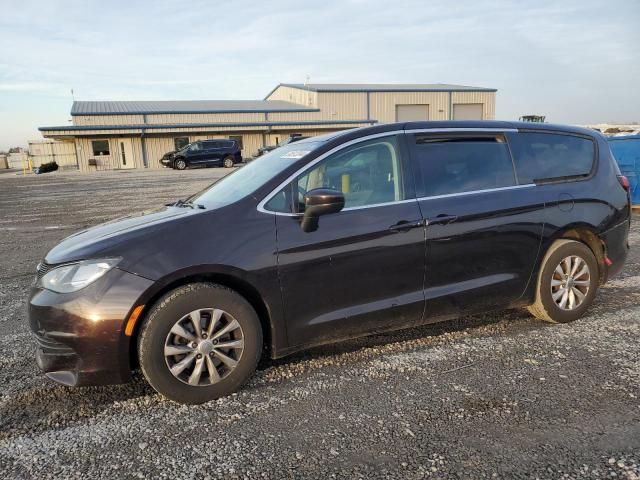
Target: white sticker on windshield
(295,154)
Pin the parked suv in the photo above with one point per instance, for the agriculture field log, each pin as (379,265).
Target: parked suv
(204,153)
(331,238)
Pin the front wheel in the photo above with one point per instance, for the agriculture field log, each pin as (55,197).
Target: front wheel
(229,162)
(567,282)
(180,164)
(199,342)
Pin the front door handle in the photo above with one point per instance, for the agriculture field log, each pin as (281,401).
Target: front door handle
(406,225)
(442,219)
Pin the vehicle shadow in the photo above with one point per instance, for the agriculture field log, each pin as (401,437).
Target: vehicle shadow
(512,321)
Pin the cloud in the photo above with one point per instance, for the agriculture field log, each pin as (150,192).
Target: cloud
(575,60)
(27,87)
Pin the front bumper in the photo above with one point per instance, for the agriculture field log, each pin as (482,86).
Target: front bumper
(80,335)
(167,162)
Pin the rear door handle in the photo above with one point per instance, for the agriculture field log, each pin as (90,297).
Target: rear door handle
(406,225)
(442,219)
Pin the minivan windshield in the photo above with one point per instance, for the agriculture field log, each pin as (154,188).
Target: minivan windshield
(252,176)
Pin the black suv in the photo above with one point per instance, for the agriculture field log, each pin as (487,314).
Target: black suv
(330,238)
(204,153)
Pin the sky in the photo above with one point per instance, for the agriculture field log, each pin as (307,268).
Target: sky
(573,61)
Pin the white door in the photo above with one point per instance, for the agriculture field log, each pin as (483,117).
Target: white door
(467,111)
(412,113)
(125,149)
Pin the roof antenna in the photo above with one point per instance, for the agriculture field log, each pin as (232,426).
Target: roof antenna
(72,96)
(306,80)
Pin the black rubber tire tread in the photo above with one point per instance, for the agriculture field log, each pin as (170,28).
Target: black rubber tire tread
(544,307)
(160,320)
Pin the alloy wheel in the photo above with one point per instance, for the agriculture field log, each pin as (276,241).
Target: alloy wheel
(204,347)
(570,282)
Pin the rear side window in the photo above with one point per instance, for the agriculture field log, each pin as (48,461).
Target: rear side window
(449,165)
(548,156)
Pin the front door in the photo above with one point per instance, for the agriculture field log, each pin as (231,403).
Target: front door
(197,153)
(483,229)
(362,270)
(125,150)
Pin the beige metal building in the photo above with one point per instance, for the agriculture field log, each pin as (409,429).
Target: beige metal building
(114,134)
(48,150)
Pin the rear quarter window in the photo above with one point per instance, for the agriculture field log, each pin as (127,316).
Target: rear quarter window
(549,156)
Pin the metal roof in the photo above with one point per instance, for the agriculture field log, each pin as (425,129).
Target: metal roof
(162,126)
(386,87)
(184,107)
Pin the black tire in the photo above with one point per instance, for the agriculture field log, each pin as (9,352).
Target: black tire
(229,162)
(545,307)
(180,164)
(162,318)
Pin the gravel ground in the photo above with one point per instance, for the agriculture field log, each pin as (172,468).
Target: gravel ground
(491,396)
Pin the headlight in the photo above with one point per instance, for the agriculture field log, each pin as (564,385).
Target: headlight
(74,276)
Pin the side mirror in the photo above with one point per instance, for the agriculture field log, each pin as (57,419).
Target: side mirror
(320,201)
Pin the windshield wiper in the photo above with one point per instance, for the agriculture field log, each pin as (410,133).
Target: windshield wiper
(186,204)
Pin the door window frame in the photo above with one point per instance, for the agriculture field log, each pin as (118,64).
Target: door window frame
(411,136)
(402,153)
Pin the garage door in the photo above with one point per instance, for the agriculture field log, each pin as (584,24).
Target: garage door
(412,113)
(467,111)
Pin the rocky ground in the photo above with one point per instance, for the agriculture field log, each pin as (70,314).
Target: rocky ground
(491,396)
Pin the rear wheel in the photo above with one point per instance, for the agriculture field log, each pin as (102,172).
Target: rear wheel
(180,164)
(200,342)
(229,162)
(567,282)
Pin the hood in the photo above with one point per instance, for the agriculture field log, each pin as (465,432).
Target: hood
(89,243)
(169,154)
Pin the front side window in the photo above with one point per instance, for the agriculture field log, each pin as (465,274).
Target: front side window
(449,165)
(195,147)
(545,156)
(246,180)
(100,147)
(367,173)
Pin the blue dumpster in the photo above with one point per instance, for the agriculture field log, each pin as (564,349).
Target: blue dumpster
(626,150)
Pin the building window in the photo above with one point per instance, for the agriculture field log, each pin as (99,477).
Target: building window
(100,147)
(237,138)
(180,142)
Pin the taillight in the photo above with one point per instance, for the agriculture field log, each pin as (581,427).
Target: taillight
(624,181)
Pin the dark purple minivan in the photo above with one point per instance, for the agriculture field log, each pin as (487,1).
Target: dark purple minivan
(330,238)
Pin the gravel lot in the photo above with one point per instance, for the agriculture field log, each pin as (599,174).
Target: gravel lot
(491,396)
